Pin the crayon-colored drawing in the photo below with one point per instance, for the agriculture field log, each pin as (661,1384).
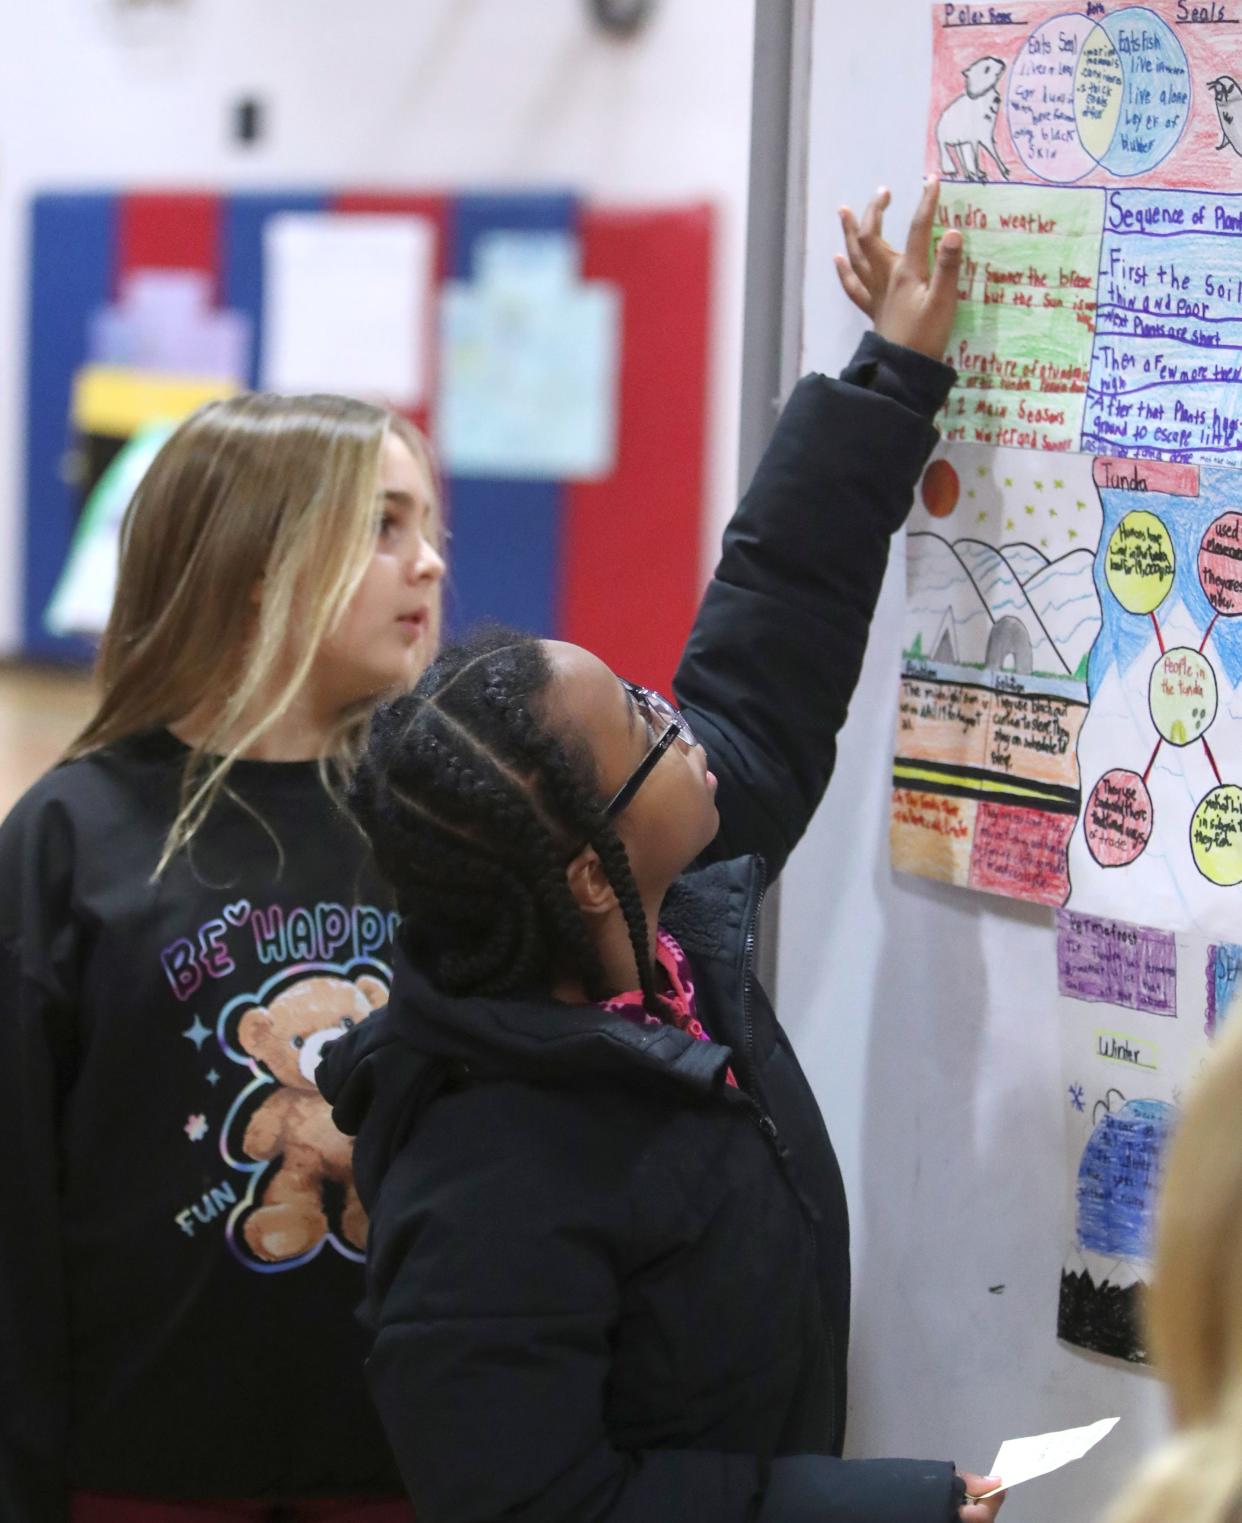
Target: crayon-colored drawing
(1069,725)
(1001,615)
(1228,96)
(1224,974)
(1115,1198)
(966,130)
(1119,1173)
(1109,962)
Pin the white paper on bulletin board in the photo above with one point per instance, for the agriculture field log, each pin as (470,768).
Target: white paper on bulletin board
(348,304)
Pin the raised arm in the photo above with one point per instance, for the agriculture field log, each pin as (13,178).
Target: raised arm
(776,650)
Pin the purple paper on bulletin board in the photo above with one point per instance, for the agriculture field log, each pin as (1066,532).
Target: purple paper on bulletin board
(1114,963)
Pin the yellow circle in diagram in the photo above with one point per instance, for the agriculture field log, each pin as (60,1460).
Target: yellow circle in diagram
(1216,835)
(1099,89)
(1182,695)
(1140,565)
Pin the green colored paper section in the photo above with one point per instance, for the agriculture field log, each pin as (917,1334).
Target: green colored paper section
(1022,340)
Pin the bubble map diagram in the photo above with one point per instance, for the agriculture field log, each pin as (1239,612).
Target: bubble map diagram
(1183,696)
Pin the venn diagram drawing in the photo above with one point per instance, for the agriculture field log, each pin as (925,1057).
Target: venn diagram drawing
(1083,93)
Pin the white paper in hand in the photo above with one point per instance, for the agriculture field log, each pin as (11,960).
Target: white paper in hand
(1022,1459)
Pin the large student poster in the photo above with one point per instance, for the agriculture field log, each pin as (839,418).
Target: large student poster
(1069,725)
(1073,645)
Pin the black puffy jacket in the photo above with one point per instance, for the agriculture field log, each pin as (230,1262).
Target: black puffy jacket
(604,1285)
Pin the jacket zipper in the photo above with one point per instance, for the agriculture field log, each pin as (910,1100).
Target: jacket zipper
(768,1127)
(766,1124)
(761,868)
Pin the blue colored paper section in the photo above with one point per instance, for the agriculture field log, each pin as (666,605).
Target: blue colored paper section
(1118,1178)
(529,356)
(71,275)
(1166,367)
(1224,977)
(507,543)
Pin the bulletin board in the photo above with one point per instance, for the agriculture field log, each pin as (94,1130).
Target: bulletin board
(555,351)
(940,935)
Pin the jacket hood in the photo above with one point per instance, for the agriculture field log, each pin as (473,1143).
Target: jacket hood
(382,1075)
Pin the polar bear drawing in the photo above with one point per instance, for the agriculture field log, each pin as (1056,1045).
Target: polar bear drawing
(967,125)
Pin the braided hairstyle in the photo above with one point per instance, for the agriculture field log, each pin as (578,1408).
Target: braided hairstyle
(473,808)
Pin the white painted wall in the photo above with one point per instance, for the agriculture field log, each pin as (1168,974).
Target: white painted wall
(429,94)
(923,1014)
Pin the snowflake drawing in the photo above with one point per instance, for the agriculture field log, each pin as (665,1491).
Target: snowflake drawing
(1076,1096)
(196,1128)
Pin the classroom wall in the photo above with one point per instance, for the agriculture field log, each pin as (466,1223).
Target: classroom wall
(924,1014)
(431,94)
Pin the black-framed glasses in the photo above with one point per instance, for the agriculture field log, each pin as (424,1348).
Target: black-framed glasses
(676,726)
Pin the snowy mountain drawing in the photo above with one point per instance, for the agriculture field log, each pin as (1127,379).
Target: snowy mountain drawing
(1099,1308)
(1026,560)
(1008,609)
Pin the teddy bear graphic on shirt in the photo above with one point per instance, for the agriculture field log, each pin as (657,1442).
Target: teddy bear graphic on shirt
(308,1176)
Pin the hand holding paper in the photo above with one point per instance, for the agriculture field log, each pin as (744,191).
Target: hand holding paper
(1022,1459)
(984,1495)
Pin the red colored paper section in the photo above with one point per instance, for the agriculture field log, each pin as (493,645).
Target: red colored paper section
(1146,476)
(1021,853)
(169,231)
(631,551)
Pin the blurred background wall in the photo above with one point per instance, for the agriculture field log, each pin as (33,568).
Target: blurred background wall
(450,95)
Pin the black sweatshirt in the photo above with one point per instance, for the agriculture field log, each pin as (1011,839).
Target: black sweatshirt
(165,1330)
(606,1287)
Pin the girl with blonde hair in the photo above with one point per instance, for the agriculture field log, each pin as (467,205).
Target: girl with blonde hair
(187,920)
(1195,1308)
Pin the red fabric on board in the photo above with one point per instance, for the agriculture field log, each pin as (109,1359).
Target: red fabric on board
(169,231)
(632,552)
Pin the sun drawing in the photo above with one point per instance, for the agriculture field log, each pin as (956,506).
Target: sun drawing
(941,489)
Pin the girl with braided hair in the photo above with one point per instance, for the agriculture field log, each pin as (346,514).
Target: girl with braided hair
(186,915)
(608,1272)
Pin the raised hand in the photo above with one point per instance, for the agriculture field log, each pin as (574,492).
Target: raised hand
(906,304)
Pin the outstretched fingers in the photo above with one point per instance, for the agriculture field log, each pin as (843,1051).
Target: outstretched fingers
(944,274)
(918,242)
(873,216)
(853,244)
(908,303)
(853,287)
